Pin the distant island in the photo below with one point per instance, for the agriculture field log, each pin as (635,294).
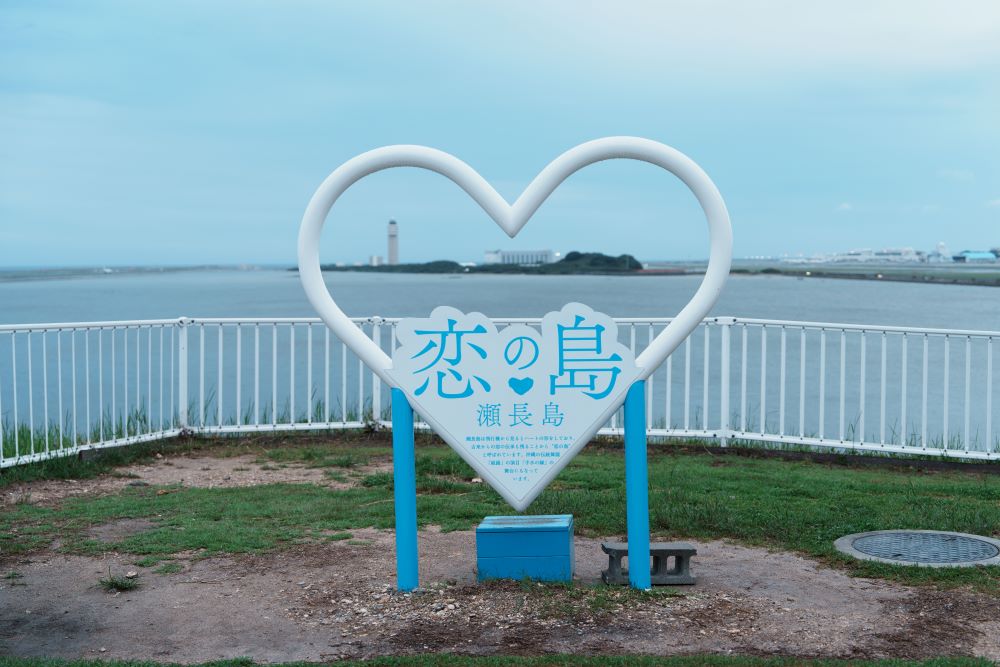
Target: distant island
(574,263)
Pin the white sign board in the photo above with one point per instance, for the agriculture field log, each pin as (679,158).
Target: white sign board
(517,404)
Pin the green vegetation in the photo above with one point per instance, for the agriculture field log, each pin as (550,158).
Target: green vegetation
(105,461)
(23,440)
(71,467)
(575,600)
(336,537)
(322,456)
(795,505)
(169,568)
(437,266)
(114,583)
(573,263)
(540,661)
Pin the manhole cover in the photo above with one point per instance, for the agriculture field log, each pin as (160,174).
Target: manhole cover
(921,547)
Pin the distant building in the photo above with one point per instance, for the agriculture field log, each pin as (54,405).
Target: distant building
(975,256)
(899,255)
(886,255)
(520,257)
(866,256)
(940,254)
(375,260)
(393,243)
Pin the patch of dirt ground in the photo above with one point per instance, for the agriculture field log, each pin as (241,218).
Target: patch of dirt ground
(194,471)
(336,599)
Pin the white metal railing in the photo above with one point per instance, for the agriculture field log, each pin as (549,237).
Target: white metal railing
(66,388)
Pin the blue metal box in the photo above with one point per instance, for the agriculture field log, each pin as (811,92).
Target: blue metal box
(517,547)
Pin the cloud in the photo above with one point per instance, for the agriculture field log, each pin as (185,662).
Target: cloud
(196,119)
(926,35)
(993,203)
(957,175)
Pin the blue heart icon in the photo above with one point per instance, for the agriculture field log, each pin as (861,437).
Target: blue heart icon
(521,385)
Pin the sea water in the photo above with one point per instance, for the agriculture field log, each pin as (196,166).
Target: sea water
(824,382)
(278,293)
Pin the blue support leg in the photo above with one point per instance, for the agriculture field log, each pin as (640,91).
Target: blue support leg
(405,492)
(637,487)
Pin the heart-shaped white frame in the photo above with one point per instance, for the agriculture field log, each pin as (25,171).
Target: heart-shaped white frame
(511,218)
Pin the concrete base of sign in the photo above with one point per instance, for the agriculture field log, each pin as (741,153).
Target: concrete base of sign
(660,575)
(525,547)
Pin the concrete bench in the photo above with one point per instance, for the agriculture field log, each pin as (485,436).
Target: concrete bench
(679,574)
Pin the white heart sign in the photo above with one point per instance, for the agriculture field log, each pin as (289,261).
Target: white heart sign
(511,218)
(519,403)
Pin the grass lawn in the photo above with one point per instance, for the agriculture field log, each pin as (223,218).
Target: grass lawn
(543,661)
(793,505)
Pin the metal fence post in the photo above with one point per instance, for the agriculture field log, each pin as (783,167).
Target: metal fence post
(726,324)
(376,380)
(182,372)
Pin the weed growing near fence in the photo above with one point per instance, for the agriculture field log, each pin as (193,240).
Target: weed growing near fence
(52,437)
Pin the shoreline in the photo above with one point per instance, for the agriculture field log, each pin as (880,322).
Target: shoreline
(973,276)
(969,275)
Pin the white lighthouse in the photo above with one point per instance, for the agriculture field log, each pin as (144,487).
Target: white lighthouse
(393,243)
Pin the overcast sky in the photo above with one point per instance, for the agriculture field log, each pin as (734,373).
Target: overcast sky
(195,132)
